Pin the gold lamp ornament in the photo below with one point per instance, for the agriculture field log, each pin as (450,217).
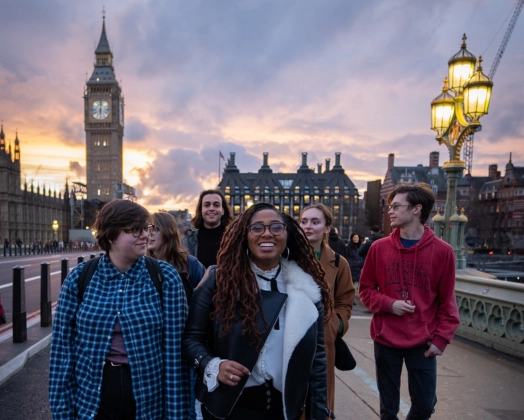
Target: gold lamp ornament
(442,110)
(460,68)
(477,94)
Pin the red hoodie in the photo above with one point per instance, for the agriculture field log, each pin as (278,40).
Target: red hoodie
(424,274)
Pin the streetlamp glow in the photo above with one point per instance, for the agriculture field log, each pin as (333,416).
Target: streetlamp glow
(55,228)
(455,114)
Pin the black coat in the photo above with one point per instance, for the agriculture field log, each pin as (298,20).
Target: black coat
(305,373)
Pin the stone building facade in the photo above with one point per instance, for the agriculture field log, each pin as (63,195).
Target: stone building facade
(27,213)
(291,192)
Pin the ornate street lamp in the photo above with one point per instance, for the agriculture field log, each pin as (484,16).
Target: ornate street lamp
(455,114)
(55,228)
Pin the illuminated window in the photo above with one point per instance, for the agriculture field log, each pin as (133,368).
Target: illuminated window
(286,209)
(228,189)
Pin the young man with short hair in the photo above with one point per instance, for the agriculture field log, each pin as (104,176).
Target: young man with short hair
(212,216)
(408,282)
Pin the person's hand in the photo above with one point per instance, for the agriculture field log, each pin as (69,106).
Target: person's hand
(400,307)
(230,372)
(432,351)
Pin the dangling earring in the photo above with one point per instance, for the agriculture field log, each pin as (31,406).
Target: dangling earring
(248,254)
(287,255)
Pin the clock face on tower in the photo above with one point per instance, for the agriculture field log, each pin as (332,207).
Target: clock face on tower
(100,110)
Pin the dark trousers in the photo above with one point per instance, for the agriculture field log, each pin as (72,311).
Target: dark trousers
(261,402)
(118,402)
(422,381)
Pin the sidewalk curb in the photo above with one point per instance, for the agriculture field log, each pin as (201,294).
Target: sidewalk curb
(16,364)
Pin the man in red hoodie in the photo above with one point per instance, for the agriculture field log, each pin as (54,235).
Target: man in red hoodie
(408,282)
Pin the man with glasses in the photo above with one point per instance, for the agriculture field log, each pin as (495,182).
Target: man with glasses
(408,282)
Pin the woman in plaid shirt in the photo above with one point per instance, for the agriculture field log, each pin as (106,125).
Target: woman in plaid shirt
(116,351)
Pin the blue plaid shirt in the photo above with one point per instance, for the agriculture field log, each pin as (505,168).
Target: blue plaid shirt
(82,336)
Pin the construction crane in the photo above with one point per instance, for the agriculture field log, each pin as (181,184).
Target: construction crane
(468,144)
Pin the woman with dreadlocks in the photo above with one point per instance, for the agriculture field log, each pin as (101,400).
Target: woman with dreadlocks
(255,331)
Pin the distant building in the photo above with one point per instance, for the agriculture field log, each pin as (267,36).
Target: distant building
(183,221)
(104,127)
(372,204)
(28,214)
(291,192)
(500,212)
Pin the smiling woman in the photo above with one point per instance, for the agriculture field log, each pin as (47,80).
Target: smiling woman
(255,331)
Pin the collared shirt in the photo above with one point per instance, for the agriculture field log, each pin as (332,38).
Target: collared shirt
(270,359)
(82,335)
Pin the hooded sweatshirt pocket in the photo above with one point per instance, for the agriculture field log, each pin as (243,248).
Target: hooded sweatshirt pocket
(399,332)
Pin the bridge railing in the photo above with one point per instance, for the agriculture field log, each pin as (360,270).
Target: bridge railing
(491,312)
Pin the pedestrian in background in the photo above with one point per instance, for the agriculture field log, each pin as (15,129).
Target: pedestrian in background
(116,352)
(336,243)
(316,221)
(408,282)
(255,331)
(364,248)
(212,215)
(354,259)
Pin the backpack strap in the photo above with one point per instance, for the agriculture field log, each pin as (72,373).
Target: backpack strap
(156,274)
(85,276)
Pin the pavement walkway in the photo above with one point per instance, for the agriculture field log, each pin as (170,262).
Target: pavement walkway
(473,382)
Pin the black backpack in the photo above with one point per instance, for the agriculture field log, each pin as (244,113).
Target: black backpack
(155,272)
(153,267)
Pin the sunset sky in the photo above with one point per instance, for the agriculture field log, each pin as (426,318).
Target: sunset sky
(252,76)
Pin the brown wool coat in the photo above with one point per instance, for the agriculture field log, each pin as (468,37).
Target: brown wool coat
(343,304)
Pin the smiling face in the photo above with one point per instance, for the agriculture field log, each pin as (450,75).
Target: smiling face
(355,239)
(212,210)
(266,248)
(314,225)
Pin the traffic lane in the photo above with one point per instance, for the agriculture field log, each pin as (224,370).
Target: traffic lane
(32,275)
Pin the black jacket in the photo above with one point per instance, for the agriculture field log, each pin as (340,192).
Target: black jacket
(305,371)
(364,248)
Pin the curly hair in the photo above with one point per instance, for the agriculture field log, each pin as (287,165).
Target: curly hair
(171,249)
(227,217)
(236,285)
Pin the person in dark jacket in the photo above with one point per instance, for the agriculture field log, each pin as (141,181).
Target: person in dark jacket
(255,332)
(355,261)
(212,216)
(364,248)
(336,243)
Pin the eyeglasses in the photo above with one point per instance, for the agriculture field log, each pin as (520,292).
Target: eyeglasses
(258,229)
(395,207)
(136,231)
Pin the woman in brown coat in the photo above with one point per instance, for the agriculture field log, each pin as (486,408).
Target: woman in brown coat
(316,222)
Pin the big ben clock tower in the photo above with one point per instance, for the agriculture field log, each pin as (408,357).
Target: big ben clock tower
(104,126)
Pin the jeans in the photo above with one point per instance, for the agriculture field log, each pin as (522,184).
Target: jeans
(422,381)
(117,400)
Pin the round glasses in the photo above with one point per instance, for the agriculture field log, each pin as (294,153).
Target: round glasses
(258,229)
(137,231)
(395,207)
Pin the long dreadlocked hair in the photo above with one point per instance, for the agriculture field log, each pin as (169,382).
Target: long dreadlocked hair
(236,285)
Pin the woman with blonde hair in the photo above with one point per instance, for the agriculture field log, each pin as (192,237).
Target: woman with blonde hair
(316,221)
